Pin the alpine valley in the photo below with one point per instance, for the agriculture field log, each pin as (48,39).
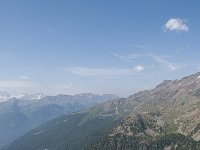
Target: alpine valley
(164,118)
(21,113)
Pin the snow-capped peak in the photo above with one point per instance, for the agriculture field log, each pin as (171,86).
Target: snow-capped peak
(4,96)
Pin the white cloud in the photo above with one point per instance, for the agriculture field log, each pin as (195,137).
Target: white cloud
(139,68)
(176,24)
(85,71)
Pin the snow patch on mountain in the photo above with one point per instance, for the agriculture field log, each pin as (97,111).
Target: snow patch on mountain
(4,96)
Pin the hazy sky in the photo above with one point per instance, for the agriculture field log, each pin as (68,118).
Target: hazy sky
(98,46)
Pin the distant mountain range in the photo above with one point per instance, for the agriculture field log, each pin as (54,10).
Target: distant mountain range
(164,118)
(19,114)
(4,96)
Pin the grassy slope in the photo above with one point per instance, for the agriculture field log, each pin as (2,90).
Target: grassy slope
(65,132)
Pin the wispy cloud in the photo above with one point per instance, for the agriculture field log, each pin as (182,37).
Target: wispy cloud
(16,84)
(85,71)
(163,62)
(138,46)
(159,59)
(24,77)
(176,24)
(48,29)
(127,57)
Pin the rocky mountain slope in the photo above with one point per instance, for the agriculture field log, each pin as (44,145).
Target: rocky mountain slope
(17,116)
(164,118)
(168,119)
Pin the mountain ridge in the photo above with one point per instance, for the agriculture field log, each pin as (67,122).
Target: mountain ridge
(165,117)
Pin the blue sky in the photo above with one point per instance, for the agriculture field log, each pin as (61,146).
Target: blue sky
(107,46)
